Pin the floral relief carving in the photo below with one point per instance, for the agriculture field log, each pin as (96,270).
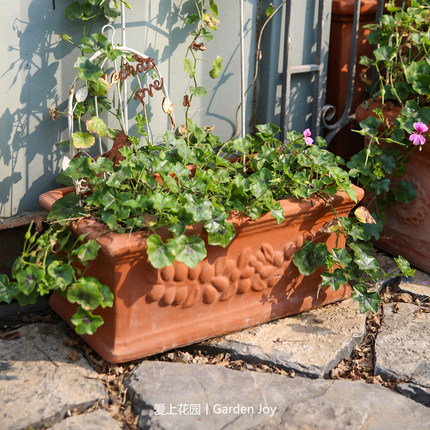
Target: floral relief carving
(251,271)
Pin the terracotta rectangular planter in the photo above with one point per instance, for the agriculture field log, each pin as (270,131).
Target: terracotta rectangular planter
(407,226)
(250,282)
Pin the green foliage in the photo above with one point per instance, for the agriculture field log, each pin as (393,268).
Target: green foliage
(55,260)
(153,188)
(265,172)
(86,322)
(86,10)
(310,257)
(401,53)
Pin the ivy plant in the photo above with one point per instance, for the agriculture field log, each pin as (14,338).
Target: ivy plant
(401,62)
(189,178)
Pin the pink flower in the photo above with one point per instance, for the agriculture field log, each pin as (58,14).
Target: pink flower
(417,138)
(308,140)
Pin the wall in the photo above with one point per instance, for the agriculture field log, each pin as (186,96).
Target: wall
(37,69)
(303,45)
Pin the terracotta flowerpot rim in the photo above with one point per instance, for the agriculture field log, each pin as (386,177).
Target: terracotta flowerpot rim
(116,245)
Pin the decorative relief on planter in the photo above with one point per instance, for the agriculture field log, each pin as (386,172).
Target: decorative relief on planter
(415,212)
(178,285)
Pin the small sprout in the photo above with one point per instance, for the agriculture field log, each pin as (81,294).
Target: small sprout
(270,10)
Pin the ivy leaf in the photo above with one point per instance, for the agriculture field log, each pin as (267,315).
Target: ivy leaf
(107,295)
(201,211)
(99,88)
(169,182)
(422,84)
(28,279)
(96,125)
(161,254)
(207,35)
(190,19)
(258,188)
(185,152)
(101,165)
(8,290)
(213,7)
(198,133)
(66,208)
(334,280)
(81,139)
(370,125)
(215,223)
(367,301)
(277,212)
(198,91)
(24,299)
(110,219)
(216,67)
(366,61)
(268,129)
(191,250)
(340,256)
(310,256)
(222,236)
(87,251)
(85,292)
(417,70)
(111,10)
(87,71)
(162,201)
(61,273)
(76,10)
(404,266)
(365,261)
(78,168)
(189,68)
(85,322)
(241,145)
(385,53)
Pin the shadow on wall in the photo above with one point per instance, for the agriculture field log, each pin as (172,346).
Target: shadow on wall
(29,85)
(161,33)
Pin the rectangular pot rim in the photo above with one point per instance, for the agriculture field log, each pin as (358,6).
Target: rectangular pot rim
(116,245)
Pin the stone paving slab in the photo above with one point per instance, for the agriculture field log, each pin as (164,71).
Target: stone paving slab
(402,349)
(97,420)
(197,396)
(39,383)
(311,343)
(418,286)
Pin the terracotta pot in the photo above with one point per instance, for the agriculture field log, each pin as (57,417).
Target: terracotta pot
(407,226)
(250,282)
